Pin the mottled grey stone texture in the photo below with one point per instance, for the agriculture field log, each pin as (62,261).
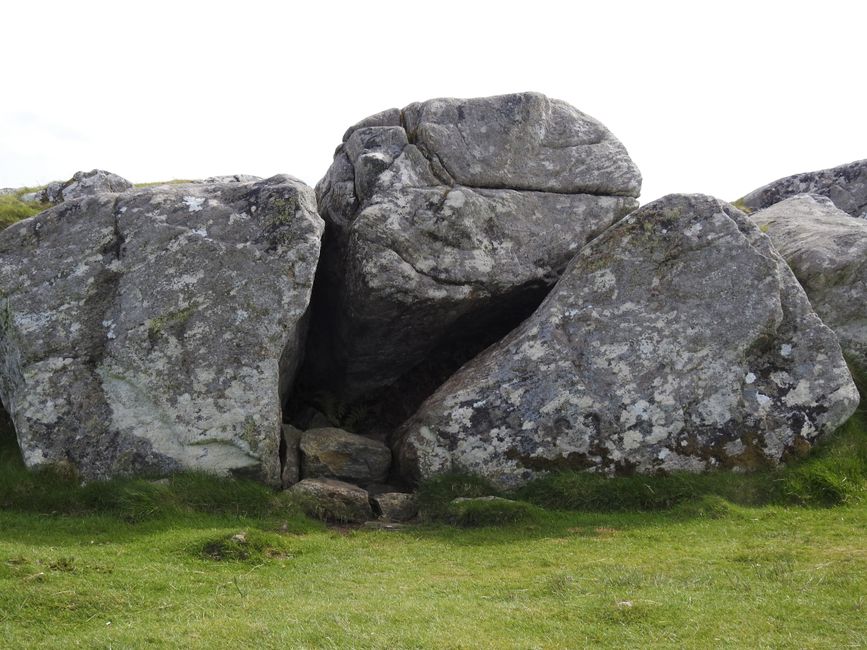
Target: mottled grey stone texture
(827,251)
(677,340)
(96,181)
(845,185)
(452,217)
(157,329)
(335,453)
(396,506)
(332,500)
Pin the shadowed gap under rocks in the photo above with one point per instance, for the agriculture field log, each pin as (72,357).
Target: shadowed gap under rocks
(9,447)
(378,412)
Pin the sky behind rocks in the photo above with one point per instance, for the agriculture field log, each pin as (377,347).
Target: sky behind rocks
(718,98)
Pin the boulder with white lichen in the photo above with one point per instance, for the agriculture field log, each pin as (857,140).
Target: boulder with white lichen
(827,251)
(677,340)
(845,186)
(158,329)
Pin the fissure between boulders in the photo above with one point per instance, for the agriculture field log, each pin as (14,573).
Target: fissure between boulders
(8,438)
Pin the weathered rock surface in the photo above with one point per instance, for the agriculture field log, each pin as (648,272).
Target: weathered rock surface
(291,457)
(335,453)
(845,185)
(396,506)
(448,221)
(332,500)
(677,340)
(827,251)
(96,181)
(157,329)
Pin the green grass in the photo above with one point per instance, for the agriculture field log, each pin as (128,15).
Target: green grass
(175,181)
(13,209)
(773,560)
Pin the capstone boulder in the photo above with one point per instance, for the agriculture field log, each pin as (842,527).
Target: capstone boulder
(448,221)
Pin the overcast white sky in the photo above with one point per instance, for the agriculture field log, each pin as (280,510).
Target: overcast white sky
(713,97)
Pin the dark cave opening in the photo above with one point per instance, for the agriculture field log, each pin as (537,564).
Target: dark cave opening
(10,451)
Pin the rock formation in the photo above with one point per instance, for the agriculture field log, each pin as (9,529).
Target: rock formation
(157,329)
(677,340)
(96,181)
(827,251)
(335,453)
(447,222)
(845,185)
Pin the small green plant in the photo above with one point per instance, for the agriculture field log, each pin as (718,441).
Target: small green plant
(740,205)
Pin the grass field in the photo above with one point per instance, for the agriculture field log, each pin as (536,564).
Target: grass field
(773,560)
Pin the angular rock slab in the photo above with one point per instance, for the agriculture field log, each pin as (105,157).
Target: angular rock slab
(677,340)
(156,330)
(827,251)
(452,216)
(335,453)
(845,185)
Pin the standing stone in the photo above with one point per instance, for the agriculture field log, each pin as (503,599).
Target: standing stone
(677,340)
(335,453)
(827,251)
(158,329)
(845,185)
(448,221)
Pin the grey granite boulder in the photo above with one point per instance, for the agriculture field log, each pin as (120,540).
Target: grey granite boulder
(96,181)
(396,506)
(332,500)
(677,340)
(845,185)
(158,329)
(449,220)
(335,453)
(827,251)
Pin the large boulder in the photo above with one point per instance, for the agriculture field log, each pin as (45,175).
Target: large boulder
(335,453)
(845,185)
(448,221)
(158,329)
(677,340)
(827,250)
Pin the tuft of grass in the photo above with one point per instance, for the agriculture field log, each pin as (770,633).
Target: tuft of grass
(490,511)
(254,546)
(175,181)
(13,209)
(740,205)
(53,491)
(436,494)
